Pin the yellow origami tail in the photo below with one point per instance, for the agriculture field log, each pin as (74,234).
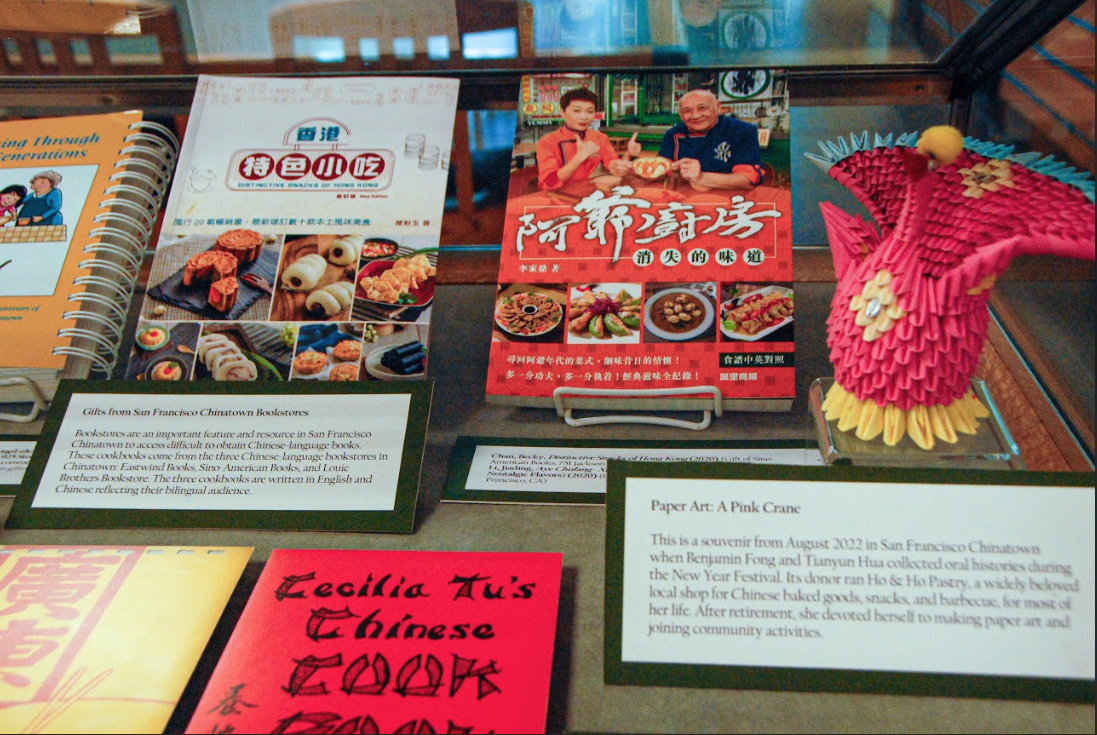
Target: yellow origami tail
(924,424)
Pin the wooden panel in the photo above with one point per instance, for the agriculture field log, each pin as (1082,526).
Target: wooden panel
(1044,441)
(1069,403)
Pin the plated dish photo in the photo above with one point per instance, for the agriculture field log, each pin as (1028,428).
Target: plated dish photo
(758,314)
(678,314)
(528,314)
(651,168)
(606,312)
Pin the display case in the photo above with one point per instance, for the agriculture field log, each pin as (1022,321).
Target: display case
(1019,72)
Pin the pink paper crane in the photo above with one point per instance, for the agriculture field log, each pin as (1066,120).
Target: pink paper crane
(909,317)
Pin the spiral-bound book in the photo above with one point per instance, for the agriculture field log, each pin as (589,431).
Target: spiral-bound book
(79,197)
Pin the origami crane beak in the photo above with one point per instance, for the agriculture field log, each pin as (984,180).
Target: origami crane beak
(916,164)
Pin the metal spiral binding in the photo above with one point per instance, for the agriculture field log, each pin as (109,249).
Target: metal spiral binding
(112,217)
(127,275)
(99,365)
(153,153)
(128,256)
(104,348)
(102,282)
(148,199)
(132,208)
(149,216)
(94,298)
(138,246)
(161,191)
(91,316)
(155,140)
(157,127)
(117,247)
(158,171)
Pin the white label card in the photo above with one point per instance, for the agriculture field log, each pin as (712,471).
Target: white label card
(14,458)
(583,469)
(227,452)
(948,579)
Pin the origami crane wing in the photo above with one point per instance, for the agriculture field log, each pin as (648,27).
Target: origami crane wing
(873,173)
(987,207)
(851,237)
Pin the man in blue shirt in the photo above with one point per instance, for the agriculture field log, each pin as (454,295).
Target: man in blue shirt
(711,150)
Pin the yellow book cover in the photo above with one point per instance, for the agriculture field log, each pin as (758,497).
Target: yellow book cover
(104,639)
(60,178)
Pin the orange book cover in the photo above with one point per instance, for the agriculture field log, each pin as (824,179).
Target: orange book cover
(54,177)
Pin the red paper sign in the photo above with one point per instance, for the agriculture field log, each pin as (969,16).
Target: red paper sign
(384,641)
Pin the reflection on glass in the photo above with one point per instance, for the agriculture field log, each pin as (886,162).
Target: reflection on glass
(328,49)
(269,29)
(813,124)
(498,44)
(81,52)
(403,48)
(369,49)
(577,27)
(1044,99)
(698,33)
(143,49)
(438,48)
(45,51)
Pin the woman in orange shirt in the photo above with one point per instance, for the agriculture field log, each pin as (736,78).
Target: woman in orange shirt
(572,153)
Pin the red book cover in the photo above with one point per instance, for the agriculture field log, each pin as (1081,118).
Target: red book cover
(390,641)
(648,241)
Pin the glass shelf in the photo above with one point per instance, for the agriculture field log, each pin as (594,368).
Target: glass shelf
(261,36)
(992,448)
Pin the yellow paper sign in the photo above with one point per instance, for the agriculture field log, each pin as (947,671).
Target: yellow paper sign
(104,639)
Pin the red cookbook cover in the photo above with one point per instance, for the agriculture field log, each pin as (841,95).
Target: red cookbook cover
(390,641)
(648,242)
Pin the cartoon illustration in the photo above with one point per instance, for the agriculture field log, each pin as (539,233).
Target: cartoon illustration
(10,199)
(43,205)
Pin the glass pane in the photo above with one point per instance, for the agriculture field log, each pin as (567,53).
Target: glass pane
(207,35)
(1044,101)
(812,185)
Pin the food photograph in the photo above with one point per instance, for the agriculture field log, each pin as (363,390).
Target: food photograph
(328,352)
(530,313)
(316,278)
(224,277)
(163,351)
(679,312)
(396,278)
(394,352)
(756,312)
(605,313)
(245,352)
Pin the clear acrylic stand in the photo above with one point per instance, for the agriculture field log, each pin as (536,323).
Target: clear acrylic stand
(992,447)
(38,400)
(707,392)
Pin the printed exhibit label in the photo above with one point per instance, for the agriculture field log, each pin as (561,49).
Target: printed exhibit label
(227,452)
(870,576)
(583,469)
(14,458)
